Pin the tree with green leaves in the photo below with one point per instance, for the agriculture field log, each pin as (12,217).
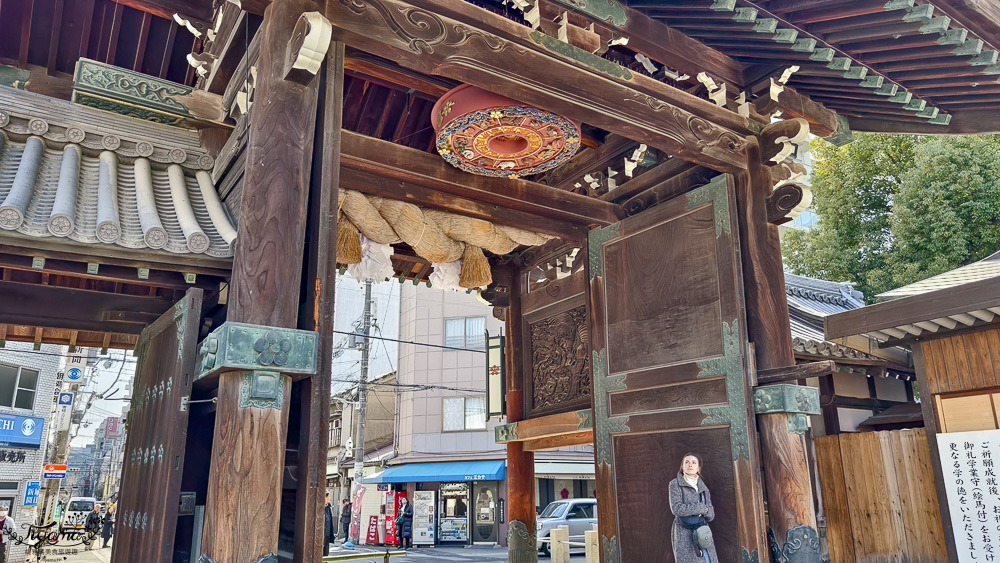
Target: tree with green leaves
(896,209)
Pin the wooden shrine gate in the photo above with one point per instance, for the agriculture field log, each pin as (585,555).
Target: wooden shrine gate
(146,519)
(879,497)
(671,375)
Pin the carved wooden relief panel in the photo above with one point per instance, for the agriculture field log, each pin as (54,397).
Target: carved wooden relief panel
(560,364)
(555,334)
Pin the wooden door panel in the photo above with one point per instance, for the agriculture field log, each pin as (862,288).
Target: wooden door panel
(671,375)
(166,355)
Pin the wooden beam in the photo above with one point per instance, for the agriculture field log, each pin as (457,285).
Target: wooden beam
(124,274)
(968,122)
(668,46)
(404,164)
(660,173)
(528,67)
(982,17)
(74,309)
(410,192)
(57,17)
(822,120)
(197,9)
(588,160)
(585,438)
(795,372)
(961,299)
(550,425)
(22,54)
(385,72)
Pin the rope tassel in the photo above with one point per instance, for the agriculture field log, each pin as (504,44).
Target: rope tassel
(348,242)
(475,268)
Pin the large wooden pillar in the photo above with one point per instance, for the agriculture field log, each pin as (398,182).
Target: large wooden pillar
(792,531)
(521,531)
(316,312)
(244,492)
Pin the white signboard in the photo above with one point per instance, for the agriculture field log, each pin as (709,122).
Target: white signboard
(969,463)
(423,518)
(64,412)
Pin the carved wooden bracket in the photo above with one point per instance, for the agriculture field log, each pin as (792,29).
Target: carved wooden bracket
(787,201)
(307,47)
(778,140)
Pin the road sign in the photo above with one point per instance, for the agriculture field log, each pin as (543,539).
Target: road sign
(64,412)
(74,374)
(54,472)
(31,493)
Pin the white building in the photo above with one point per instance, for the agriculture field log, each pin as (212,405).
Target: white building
(27,384)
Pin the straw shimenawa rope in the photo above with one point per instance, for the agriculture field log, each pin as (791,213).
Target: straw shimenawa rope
(436,236)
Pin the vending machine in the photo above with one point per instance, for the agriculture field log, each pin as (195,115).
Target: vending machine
(391,512)
(424,525)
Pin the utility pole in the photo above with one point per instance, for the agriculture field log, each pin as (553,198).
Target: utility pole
(52,486)
(359,433)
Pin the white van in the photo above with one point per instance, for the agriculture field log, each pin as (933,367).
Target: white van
(75,515)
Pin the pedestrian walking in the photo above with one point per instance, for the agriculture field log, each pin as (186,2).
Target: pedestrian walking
(404,524)
(691,504)
(329,526)
(6,529)
(92,527)
(345,517)
(109,526)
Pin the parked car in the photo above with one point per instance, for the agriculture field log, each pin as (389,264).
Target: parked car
(75,515)
(580,514)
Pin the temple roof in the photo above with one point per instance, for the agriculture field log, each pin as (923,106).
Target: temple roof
(64,176)
(986,268)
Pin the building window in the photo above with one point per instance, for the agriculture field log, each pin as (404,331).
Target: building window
(465,332)
(17,387)
(464,413)
(8,495)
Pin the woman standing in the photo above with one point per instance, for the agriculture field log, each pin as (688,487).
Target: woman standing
(109,526)
(404,524)
(691,504)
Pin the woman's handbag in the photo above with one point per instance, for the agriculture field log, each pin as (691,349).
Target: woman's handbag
(702,536)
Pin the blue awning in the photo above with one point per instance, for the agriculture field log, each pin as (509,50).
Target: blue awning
(451,472)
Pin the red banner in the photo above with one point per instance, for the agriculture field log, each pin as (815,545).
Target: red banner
(372,538)
(356,514)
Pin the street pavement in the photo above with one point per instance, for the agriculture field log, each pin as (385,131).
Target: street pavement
(437,554)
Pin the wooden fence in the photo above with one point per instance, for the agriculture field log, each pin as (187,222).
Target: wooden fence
(879,498)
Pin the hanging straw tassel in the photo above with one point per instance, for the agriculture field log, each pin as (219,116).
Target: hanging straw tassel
(348,242)
(475,268)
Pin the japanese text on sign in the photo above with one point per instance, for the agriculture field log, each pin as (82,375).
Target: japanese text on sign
(968,462)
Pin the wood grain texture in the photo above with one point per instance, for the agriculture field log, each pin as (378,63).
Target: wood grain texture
(244,485)
(830,466)
(151,484)
(879,497)
(243,506)
(520,463)
(585,438)
(320,264)
(645,464)
(963,362)
(267,262)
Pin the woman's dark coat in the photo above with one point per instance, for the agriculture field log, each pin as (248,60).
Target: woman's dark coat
(109,526)
(685,500)
(345,519)
(329,524)
(405,530)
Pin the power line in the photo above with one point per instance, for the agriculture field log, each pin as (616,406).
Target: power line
(417,343)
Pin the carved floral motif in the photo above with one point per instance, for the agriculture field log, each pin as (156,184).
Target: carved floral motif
(560,359)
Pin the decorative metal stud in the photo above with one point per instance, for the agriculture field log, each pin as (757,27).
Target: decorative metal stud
(190,278)
(143,273)
(38,263)
(92,268)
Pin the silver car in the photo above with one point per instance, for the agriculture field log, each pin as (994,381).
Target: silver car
(580,514)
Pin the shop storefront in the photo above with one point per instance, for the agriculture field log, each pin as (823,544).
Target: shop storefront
(454,503)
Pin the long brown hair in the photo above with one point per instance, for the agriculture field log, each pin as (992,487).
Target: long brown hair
(694,455)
